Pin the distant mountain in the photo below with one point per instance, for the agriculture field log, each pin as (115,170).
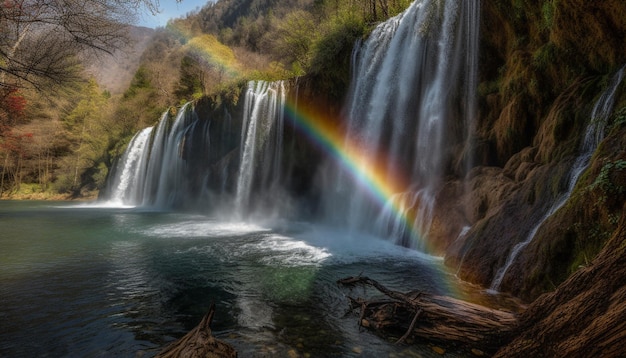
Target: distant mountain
(114,72)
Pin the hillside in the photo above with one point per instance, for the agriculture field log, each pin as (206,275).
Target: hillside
(114,72)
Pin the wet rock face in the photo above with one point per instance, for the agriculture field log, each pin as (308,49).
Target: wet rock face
(502,206)
(504,211)
(542,67)
(585,316)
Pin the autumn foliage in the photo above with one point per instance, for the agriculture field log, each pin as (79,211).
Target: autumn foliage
(13,105)
(12,144)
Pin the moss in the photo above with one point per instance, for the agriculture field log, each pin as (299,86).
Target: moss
(618,120)
(547,12)
(604,183)
(545,56)
(590,240)
(330,61)
(488,87)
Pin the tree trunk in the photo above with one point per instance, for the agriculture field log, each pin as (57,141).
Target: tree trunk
(440,319)
(199,343)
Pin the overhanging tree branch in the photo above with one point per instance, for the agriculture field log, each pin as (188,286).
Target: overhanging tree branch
(37,37)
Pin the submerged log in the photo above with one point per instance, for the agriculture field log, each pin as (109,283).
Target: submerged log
(199,342)
(433,318)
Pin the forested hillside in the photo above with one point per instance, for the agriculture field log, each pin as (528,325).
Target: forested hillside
(55,119)
(60,140)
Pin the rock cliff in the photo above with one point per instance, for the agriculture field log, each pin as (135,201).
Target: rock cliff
(542,68)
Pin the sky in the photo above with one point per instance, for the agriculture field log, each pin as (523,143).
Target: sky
(170,9)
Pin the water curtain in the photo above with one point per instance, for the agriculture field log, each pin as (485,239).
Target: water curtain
(410,110)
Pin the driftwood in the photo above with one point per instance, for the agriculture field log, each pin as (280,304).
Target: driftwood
(199,342)
(433,318)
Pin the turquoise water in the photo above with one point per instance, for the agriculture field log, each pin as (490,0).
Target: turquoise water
(79,280)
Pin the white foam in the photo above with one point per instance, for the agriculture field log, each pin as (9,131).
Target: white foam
(349,246)
(186,229)
(111,204)
(287,251)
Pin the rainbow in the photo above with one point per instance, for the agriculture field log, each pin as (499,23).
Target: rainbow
(206,46)
(371,173)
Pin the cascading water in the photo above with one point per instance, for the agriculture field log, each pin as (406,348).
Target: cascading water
(167,166)
(123,189)
(594,134)
(170,172)
(411,106)
(413,99)
(261,142)
(189,161)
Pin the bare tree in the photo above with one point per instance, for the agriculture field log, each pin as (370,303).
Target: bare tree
(42,41)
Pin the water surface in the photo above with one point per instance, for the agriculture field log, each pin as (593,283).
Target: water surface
(88,281)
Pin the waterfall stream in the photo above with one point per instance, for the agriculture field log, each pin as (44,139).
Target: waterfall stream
(412,99)
(132,166)
(189,161)
(261,141)
(594,134)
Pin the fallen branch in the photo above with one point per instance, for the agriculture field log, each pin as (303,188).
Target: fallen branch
(199,342)
(411,327)
(434,318)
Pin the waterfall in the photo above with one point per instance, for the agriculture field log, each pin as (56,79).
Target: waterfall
(261,141)
(130,167)
(187,161)
(166,166)
(594,134)
(411,106)
(169,174)
(412,98)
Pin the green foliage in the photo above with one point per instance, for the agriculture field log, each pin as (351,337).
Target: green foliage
(190,81)
(604,183)
(293,38)
(330,60)
(141,82)
(547,12)
(86,131)
(142,104)
(297,33)
(205,65)
(619,118)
